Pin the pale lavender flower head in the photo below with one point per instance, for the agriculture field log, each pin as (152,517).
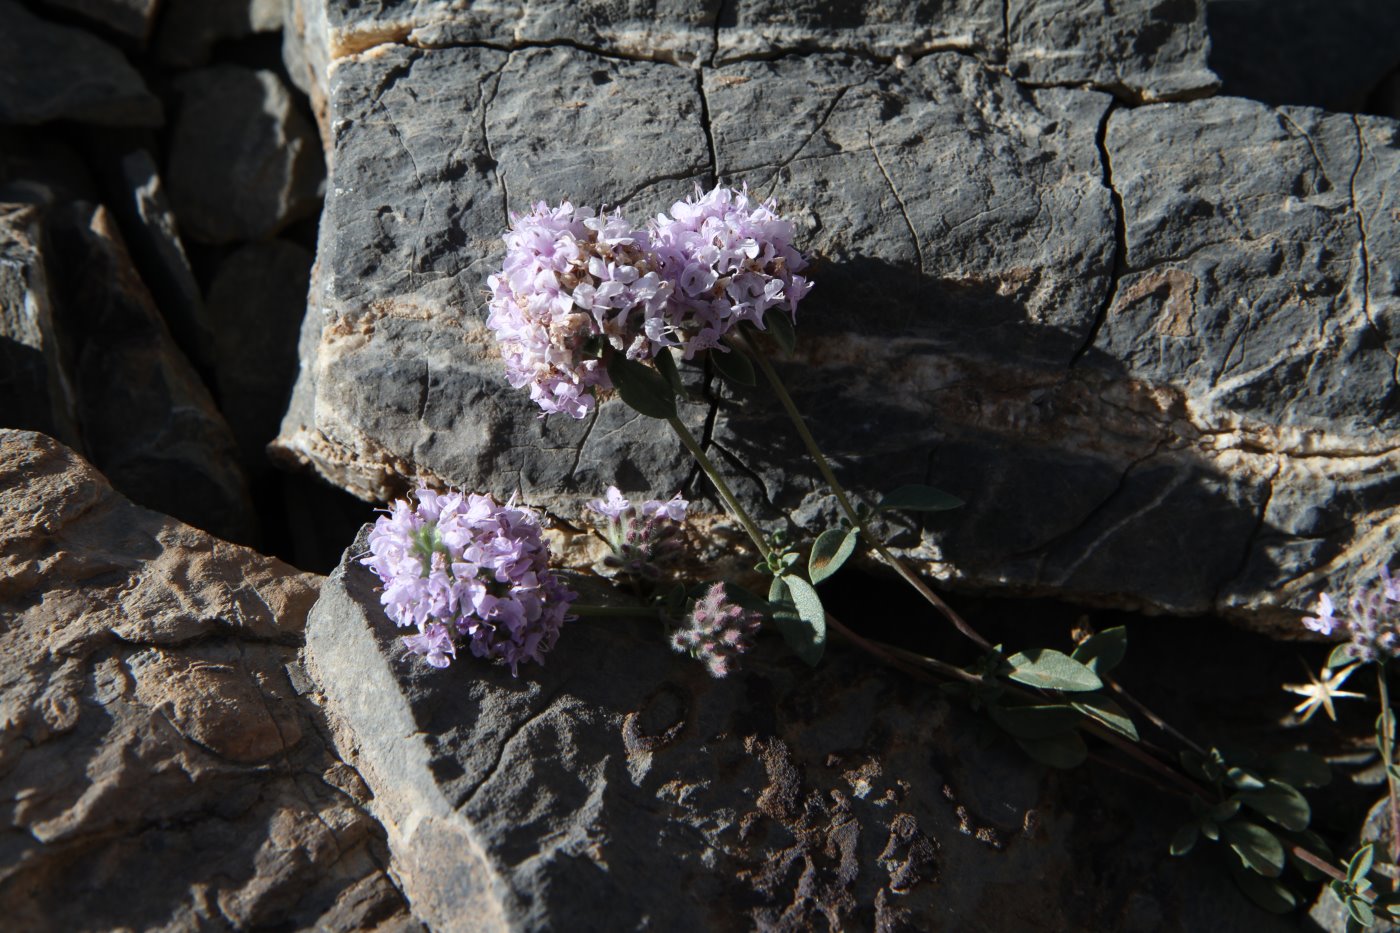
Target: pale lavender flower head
(574,283)
(1371,619)
(717,632)
(643,536)
(463,568)
(731,259)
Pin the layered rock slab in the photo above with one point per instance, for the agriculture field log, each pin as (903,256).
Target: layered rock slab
(619,787)
(157,766)
(976,246)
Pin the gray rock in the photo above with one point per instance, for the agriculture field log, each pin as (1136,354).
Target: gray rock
(189,29)
(618,787)
(54,72)
(243,160)
(38,169)
(146,419)
(153,236)
(256,305)
(1296,52)
(129,17)
(1142,50)
(160,769)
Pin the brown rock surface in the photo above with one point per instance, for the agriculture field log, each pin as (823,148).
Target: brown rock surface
(157,767)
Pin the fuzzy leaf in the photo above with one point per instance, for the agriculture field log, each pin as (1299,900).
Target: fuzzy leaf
(803,628)
(1258,849)
(734,366)
(1107,713)
(1360,865)
(778,325)
(1035,721)
(917,498)
(1281,803)
(1340,656)
(642,388)
(1268,893)
(831,549)
(1225,809)
(1103,652)
(666,365)
(1361,912)
(1184,839)
(1245,779)
(1300,768)
(1059,751)
(1053,670)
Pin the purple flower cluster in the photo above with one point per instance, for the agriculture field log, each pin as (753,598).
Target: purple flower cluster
(1371,620)
(717,632)
(642,535)
(731,260)
(464,566)
(577,286)
(573,282)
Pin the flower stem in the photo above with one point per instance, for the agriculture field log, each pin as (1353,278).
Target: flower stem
(1387,750)
(824,467)
(708,466)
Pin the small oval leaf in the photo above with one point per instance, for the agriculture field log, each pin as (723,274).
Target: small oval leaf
(1268,893)
(1281,803)
(1340,657)
(831,549)
(778,325)
(666,365)
(642,388)
(792,600)
(1103,652)
(1184,839)
(1107,713)
(1258,849)
(1360,865)
(733,366)
(916,498)
(1052,670)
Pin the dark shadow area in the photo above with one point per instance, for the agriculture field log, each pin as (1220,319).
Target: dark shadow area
(1335,54)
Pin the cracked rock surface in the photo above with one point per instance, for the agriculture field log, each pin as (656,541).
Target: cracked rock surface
(776,799)
(157,766)
(1154,347)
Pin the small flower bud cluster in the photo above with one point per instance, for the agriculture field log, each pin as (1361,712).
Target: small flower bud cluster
(717,632)
(466,567)
(643,536)
(576,287)
(1371,620)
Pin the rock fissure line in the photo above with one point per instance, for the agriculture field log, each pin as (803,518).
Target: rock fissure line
(737,462)
(494,80)
(821,123)
(1250,539)
(582,443)
(545,707)
(706,125)
(913,233)
(1365,249)
(1177,482)
(1120,238)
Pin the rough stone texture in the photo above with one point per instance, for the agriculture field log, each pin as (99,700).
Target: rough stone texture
(243,160)
(1329,55)
(156,765)
(256,305)
(1105,368)
(130,17)
(117,383)
(189,29)
(53,72)
(1144,50)
(619,787)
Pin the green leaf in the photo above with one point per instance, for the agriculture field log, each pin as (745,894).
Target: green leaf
(797,610)
(1318,846)
(642,388)
(778,325)
(1035,721)
(1053,670)
(1107,713)
(1258,849)
(1267,893)
(734,366)
(917,498)
(831,549)
(1184,839)
(1225,809)
(666,365)
(1300,768)
(1360,865)
(1245,779)
(1103,652)
(1210,829)
(1282,803)
(1340,657)
(1361,912)
(1059,751)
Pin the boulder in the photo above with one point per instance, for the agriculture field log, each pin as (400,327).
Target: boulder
(55,72)
(132,18)
(1015,301)
(160,768)
(619,787)
(189,29)
(243,160)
